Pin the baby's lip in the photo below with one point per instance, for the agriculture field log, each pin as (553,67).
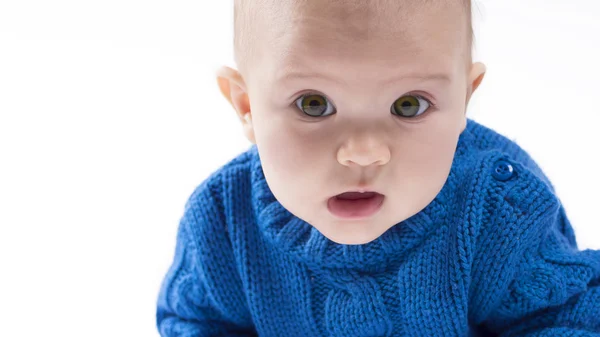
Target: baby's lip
(356,191)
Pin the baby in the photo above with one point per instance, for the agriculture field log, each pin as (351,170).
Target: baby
(368,203)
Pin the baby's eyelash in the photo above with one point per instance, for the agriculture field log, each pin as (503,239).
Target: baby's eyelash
(293,103)
(310,93)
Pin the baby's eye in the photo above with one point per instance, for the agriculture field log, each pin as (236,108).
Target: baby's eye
(410,106)
(314,105)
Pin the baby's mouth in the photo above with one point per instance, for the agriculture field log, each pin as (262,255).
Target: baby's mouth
(355,205)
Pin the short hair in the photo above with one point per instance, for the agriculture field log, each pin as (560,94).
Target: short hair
(247,13)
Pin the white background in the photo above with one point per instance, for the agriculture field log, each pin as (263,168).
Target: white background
(110,116)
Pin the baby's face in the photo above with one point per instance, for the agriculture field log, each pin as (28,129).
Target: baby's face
(385,104)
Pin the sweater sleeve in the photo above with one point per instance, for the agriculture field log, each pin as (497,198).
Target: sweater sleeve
(557,291)
(189,302)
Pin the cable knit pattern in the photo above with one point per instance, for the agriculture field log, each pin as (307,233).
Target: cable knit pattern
(494,254)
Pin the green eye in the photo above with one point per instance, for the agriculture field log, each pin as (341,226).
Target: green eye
(313,105)
(410,106)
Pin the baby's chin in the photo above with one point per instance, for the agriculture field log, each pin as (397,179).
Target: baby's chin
(353,241)
(352,233)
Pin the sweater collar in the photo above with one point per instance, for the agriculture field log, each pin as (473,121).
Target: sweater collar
(297,238)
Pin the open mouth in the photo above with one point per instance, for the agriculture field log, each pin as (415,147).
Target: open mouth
(355,205)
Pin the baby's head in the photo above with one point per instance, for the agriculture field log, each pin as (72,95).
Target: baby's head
(340,95)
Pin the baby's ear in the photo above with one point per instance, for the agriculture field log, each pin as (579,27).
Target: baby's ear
(233,88)
(476,75)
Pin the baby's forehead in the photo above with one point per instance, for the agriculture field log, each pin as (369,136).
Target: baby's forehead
(331,29)
(360,18)
(363,21)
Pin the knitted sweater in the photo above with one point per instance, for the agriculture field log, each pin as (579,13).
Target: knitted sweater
(494,254)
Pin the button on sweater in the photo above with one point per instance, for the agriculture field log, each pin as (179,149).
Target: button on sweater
(494,254)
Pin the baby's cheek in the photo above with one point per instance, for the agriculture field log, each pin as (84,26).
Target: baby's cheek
(293,149)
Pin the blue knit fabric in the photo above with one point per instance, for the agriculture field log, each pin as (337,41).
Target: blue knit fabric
(493,255)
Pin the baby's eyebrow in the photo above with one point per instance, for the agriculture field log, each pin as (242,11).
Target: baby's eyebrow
(297,75)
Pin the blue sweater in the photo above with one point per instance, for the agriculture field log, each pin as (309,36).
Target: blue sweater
(493,255)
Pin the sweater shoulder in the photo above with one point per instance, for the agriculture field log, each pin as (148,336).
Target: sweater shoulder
(210,200)
(516,207)
(512,187)
(217,182)
(489,140)
(207,227)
